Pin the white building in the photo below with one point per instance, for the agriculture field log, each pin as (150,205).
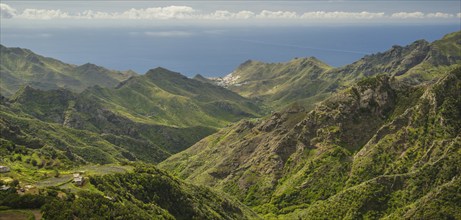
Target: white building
(78,179)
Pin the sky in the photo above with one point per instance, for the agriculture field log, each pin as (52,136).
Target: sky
(109,13)
(68,29)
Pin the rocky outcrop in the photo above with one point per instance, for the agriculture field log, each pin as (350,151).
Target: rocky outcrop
(296,158)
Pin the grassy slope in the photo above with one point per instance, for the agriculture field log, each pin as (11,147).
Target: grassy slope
(409,168)
(308,81)
(284,164)
(146,117)
(21,66)
(306,163)
(180,199)
(64,115)
(114,191)
(280,84)
(24,130)
(164,97)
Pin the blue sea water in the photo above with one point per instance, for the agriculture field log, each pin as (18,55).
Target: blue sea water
(214,51)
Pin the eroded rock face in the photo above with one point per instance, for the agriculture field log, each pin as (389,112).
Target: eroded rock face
(262,150)
(377,99)
(396,61)
(272,123)
(73,120)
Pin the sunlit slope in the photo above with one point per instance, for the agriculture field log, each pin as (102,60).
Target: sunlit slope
(19,67)
(380,140)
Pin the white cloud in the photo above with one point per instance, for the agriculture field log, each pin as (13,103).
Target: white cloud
(42,14)
(170,12)
(342,15)
(90,14)
(406,15)
(226,15)
(277,14)
(219,15)
(6,11)
(244,14)
(189,13)
(439,15)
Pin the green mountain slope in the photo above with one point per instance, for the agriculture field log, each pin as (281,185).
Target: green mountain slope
(71,146)
(278,84)
(146,193)
(69,112)
(418,62)
(384,142)
(149,116)
(165,97)
(409,167)
(19,67)
(117,192)
(373,150)
(308,80)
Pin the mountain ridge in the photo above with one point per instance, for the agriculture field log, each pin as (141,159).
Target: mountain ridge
(417,63)
(144,115)
(379,138)
(283,164)
(22,66)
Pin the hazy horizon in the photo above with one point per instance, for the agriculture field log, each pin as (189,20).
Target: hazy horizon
(196,37)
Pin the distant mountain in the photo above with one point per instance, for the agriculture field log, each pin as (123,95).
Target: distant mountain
(383,145)
(71,113)
(164,97)
(417,62)
(308,80)
(379,138)
(21,67)
(277,84)
(381,148)
(68,145)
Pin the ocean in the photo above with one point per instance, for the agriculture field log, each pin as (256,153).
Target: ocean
(215,51)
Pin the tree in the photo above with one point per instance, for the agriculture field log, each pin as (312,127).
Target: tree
(14,183)
(56,173)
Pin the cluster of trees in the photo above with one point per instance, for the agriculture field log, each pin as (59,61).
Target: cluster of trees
(147,193)
(86,205)
(45,157)
(91,205)
(9,198)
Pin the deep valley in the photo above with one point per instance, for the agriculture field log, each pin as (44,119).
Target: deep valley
(379,138)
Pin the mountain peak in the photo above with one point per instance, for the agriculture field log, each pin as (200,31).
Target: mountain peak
(247,63)
(161,72)
(309,61)
(29,94)
(45,73)
(201,78)
(24,89)
(90,66)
